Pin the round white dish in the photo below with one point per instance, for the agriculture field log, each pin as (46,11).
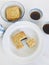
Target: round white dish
(25,53)
(8,4)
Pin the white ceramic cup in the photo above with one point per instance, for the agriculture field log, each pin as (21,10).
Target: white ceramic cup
(35,10)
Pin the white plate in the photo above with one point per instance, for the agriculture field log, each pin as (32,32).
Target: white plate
(26,53)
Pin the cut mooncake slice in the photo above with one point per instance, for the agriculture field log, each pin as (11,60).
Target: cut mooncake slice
(18,44)
(17,39)
(18,36)
(31,42)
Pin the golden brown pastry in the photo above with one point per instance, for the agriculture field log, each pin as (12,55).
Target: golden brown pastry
(16,38)
(18,44)
(19,36)
(31,42)
(12,13)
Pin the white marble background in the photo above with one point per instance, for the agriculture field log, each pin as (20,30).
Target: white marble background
(43,59)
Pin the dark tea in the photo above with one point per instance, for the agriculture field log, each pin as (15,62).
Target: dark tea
(46,28)
(35,15)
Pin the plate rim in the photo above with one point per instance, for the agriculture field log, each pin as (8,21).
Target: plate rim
(26,22)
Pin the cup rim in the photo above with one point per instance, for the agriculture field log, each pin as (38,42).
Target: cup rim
(38,10)
(5,4)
